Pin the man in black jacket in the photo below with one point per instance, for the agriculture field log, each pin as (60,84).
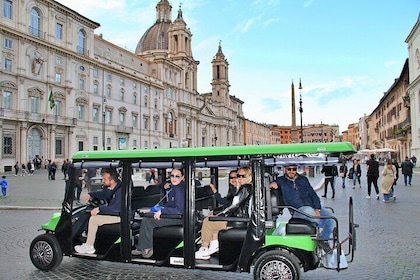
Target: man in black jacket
(372,174)
(329,171)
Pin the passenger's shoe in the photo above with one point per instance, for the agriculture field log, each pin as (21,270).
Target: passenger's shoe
(213,247)
(147,253)
(377,197)
(85,249)
(136,252)
(202,254)
(324,195)
(368,196)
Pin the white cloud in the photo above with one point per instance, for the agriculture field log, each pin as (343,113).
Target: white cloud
(390,63)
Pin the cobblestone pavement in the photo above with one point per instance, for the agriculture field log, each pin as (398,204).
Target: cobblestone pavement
(387,240)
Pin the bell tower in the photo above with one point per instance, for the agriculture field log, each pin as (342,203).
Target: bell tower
(220,82)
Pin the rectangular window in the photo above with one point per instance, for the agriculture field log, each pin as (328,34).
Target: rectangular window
(7,145)
(58,60)
(95,88)
(134,86)
(34,104)
(122,95)
(7,100)
(108,117)
(95,73)
(122,82)
(108,141)
(122,119)
(80,112)
(109,77)
(95,148)
(95,114)
(81,84)
(134,99)
(7,9)
(58,146)
(80,145)
(7,43)
(7,65)
(59,31)
(58,78)
(134,143)
(57,107)
(135,121)
(95,140)
(108,92)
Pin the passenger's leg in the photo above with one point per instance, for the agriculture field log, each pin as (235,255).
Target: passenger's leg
(97,221)
(327,225)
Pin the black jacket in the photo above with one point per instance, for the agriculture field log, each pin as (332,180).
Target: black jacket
(240,209)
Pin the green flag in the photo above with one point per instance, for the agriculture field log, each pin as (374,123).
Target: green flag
(51,100)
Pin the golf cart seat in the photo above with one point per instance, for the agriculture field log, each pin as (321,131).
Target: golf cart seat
(294,225)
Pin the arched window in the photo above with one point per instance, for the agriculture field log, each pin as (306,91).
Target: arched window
(81,42)
(35,27)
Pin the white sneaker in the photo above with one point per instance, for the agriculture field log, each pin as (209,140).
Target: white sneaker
(368,196)
(202,254)
(84,249)
(214,247)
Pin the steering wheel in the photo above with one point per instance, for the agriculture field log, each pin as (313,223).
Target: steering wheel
(96,202)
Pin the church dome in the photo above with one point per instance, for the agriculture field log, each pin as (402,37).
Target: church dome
(156,37)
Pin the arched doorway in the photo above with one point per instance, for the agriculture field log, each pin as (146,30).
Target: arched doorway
(34,143)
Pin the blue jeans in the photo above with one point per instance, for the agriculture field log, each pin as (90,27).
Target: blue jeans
(327,225)
(356,178)
(387,196)
(409,177)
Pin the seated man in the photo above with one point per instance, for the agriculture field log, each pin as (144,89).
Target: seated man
(112,193)
(298,192)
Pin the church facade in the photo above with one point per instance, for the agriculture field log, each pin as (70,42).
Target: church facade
(65,89)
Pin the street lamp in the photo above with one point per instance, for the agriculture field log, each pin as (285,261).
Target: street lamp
(301,111)
(103,121)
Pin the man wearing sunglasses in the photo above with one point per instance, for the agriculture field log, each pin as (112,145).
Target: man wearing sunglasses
(298,192)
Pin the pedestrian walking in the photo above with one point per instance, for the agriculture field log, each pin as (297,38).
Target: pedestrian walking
(152,176)
(372,174)
(387,181)
(48,166)
(356,171)
(343,173)
(64,169)
(53,168)
(4,184)
(16,168)
(329,171)
(407,171)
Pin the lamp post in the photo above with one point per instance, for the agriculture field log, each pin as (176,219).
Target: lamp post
(103,121)
(301,111)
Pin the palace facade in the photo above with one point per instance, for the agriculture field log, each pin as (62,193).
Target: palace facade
(64,89)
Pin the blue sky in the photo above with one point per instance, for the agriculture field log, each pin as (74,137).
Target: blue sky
(346,52)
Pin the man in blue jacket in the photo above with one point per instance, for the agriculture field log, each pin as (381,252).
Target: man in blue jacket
(113,194)
(298,192)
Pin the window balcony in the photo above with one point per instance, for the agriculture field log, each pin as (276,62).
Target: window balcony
(123,129)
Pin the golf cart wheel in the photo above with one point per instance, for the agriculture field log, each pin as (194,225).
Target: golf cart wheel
(45,252)
(277,265)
